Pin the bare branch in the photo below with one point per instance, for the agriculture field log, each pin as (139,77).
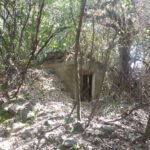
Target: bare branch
(72,15)
(33,48)
(3,39)
(110,47)
(93,35)
(23,28)
(50,37)
(126,114)
(77,64)
(106,3)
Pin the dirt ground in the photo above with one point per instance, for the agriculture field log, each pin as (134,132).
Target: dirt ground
(48,129)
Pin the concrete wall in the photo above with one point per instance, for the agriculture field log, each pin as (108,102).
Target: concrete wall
(65,70)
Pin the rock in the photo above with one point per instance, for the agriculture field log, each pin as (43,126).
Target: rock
(52,138)
(89,132)
(79,127)
(5,106)
(11,108)
(21,100)
(41,114)
(1,132)
(27,134)
(23,114)
(8,129)
(30,106)
(30,115)
(15,107)
(11,122)
(108,128)
(6,145)
(48,123)
(70,120)
(19,108)
(1,102)
(68,143)
(4,132)
(18,126)
(42,141)
(140,147)
(69,128)
(97,141)
(89,148)
(58,139)
(26,113)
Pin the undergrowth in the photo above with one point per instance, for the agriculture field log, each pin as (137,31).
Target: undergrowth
(4,116)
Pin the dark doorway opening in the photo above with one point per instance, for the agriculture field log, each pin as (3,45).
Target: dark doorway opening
(86,89)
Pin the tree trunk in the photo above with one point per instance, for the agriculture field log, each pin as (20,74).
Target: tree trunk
(124,63)
(147,130)
(77,63)
(111,45)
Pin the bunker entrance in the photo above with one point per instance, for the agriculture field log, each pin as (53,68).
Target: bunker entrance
(86,89)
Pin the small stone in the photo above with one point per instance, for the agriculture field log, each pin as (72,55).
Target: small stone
(48,123)
(42,141)
(96,141)
(79,127)
(88,132)
(40,114)
(27,134)
(1,132)
(30,106)
(69,128)
(11,108)
(12,112)
(23,114)
(89,148)
(108,128)
(15,107)
(8,129)
(30,115)
(58,139)
(68,143)
(6,145)
(4,132)
(26,113)
(70,120)
(18,126)
(11,122)
(5,106)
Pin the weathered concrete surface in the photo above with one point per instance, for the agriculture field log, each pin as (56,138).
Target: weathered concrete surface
(65,69)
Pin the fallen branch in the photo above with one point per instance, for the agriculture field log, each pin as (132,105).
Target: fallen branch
(125,115)
(75,104)
(54,128)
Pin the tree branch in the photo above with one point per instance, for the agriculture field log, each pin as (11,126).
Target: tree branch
(77,64)
(23,28)
(72,15)
(125,115)
(33,48)
(110,47)
(50,37)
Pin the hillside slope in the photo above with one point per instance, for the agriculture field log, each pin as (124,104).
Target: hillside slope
(41,112)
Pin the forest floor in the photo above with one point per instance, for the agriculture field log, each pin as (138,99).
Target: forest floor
(51,105)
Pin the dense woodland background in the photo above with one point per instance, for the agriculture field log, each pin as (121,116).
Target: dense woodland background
(115,33)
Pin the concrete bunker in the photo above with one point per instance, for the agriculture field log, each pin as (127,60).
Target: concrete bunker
(62,64)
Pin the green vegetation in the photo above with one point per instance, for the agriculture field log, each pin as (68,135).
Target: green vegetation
(114,33)
(4,116)
(29,121)
(74,147)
